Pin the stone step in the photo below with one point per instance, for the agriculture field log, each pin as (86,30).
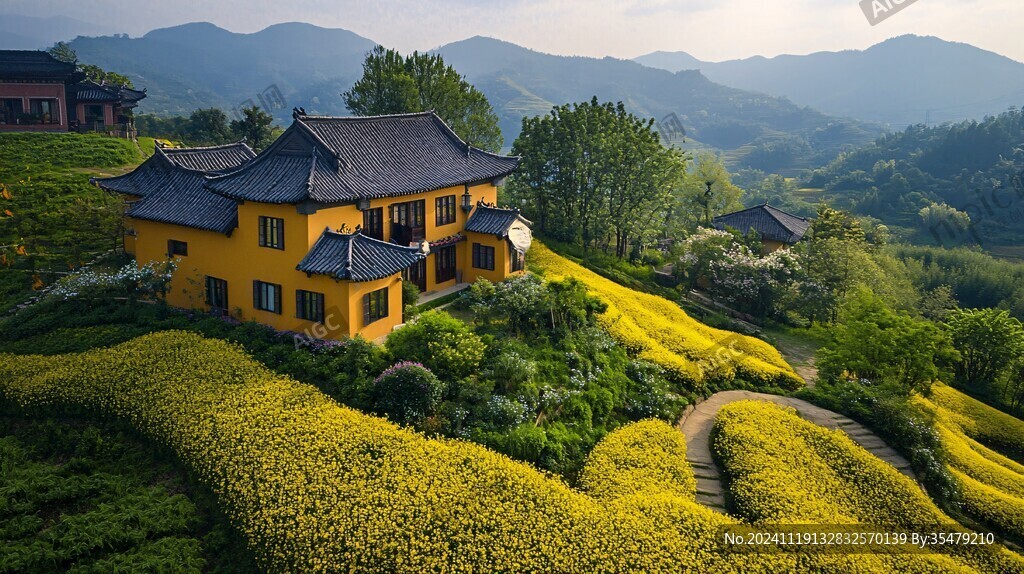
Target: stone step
(709,486)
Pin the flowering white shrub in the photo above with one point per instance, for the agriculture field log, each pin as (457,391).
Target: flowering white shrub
(132,280)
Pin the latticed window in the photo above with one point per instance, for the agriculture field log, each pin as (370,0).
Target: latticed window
(483,257)
(375,306)
(309,306)
(445,207)
(217,294)
(272,232)
(266,296)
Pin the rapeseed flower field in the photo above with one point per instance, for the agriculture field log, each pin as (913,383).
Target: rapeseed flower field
(972,433)
(785,470)
(658,330)
(317,487)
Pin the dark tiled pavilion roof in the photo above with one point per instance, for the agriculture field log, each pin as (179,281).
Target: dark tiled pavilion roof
(90,91)
(494,220)
(205,161)
(212,160)
(34,65)
(356,257)
(340,160)
(172,191)
(770,223)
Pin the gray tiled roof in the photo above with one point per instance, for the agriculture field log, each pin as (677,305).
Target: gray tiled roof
(214,159)
(90,91)
(33,64)
(770,223)
(179,196)
(494,220)
(172,191)
(202,160)
(338,160)
(355,257)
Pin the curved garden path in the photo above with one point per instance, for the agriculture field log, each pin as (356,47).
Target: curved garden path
(697,422)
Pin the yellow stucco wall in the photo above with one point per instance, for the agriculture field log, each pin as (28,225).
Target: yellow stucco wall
(239,260)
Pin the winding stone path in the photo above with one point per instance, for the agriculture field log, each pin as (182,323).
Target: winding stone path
(697,422)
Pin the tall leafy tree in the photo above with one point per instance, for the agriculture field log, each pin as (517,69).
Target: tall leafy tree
(707,192)
(65,53)
(595,175)
(393,84)
(209,127)
(255,127)
(990,341)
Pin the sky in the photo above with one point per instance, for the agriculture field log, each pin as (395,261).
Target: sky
(711,30)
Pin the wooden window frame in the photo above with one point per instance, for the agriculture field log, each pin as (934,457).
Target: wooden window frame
(517,260)
(212,284)
(260,293)
(483,257)
(271,232)
(373,223)
(309,305)
(375,306)
(445,208)
(176,248)
(445,262)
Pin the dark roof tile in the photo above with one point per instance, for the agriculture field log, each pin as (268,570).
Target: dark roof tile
(34,64)
(770,223)
(355,257)
(336,160)
(494,220)
(211,160)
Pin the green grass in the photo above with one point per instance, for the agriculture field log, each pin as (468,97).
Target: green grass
(51,218)
(80,497)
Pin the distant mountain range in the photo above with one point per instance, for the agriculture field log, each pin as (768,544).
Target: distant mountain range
(816,106)
(19,32)
(902,81)
(289,65)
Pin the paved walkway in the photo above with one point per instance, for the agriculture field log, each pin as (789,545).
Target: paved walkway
(696,425)
(428,297)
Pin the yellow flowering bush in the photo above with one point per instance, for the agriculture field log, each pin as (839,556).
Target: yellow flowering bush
(979,421)
(785,470)
(317,487)
(648,456)
(991,484)
(658,330)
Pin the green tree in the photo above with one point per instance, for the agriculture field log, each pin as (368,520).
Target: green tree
(595,175)
(708,191)
(989,342)
(254,127)
(63,52)
(407,393)
(874,342)
(444,344)
(392,84)
(208,127)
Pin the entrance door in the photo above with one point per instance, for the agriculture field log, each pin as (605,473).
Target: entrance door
(417,274)
(407,222)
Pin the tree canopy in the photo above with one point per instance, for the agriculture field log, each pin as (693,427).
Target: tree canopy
(393,84)
(595,175)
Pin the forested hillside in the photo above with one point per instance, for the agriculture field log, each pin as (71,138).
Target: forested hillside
(973,167)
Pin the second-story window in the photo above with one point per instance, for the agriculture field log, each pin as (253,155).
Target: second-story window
(445,207)
(271,232)
(373,223)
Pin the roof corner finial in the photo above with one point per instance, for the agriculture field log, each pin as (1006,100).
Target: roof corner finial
(297,113)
